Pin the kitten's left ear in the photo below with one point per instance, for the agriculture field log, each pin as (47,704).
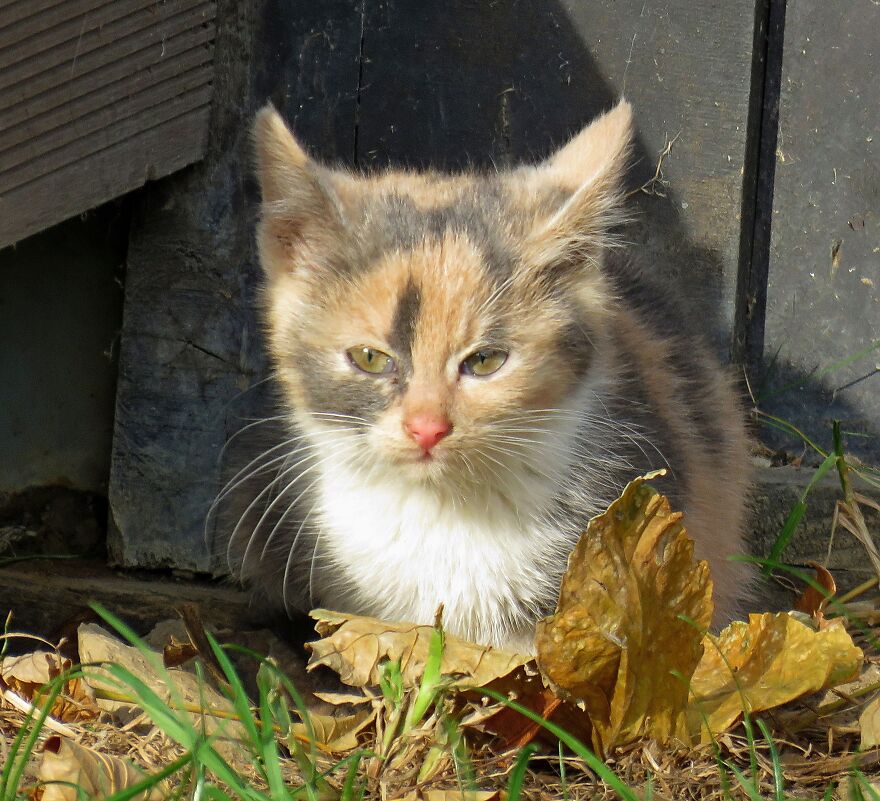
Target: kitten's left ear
(588,174)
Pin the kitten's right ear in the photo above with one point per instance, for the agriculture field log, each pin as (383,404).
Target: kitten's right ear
(300,212)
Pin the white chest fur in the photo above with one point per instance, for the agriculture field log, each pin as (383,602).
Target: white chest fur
(397,550)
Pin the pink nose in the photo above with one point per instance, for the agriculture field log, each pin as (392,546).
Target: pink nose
(427,429)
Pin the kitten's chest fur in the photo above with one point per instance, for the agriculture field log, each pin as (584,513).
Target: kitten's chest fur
(490,558)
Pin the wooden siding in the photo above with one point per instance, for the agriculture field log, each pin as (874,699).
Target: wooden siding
(96,98)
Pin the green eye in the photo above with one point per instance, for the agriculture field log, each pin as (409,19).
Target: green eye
(371,360)
(484,362)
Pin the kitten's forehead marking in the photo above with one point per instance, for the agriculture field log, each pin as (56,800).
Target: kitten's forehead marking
(405,320)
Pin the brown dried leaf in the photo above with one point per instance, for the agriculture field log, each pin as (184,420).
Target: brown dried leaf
(34,669)
(25,675)
(354,647)
(869,723)
(616,643)
(67,766)
(812,601)
(769,661)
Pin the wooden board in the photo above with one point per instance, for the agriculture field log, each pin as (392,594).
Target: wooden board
(823,305)
(383,81)
(190,341)
(495,83)
(118,92)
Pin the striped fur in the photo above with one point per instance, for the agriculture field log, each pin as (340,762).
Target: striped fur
(600,385)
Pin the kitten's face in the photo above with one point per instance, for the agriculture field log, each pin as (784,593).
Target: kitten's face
(437,326)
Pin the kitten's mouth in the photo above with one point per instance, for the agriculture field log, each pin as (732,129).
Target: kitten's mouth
(421,459)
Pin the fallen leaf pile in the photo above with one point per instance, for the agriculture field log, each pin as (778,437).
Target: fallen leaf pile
(625,658)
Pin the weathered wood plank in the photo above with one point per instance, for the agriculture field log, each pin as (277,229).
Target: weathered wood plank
(495,83)
(92,81)
(18,33)
(16,10)
(36,114)
(106,127)
(36,36)
(104,175)
(71,50)
(190,342)
(163,40)
(823,304)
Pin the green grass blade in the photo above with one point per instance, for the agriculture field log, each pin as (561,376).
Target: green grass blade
(236,694)
(26,739)
(750,738)
(798,511)
(179,728)
(563,780)
(749,786)
(778,778)
(351,790)
(865,786)
(518,774)
(148,782)
(266,749)
(429,686)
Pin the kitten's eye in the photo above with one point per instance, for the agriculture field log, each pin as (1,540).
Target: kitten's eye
(484,362)
(371,360)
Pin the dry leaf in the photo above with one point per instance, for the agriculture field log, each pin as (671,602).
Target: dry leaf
(354,647)
(35,669)
(67,766)
(848,514)
(812,601)
(869,723)
(455,794)
(98,648)
(25,675)
(338,699)
(616,643)
(336,734)
(764,663)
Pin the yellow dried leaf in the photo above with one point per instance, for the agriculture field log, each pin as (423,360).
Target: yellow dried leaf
(354,647)
(869,723)
(769,661)
(616,644)
(336,734)
(455,794)
(67,766)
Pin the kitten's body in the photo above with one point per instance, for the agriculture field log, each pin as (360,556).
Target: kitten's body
(599,385)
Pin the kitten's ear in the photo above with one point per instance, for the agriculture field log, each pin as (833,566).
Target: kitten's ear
(587,175)
(301,215)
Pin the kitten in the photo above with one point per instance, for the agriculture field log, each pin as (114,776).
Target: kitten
(469,372)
